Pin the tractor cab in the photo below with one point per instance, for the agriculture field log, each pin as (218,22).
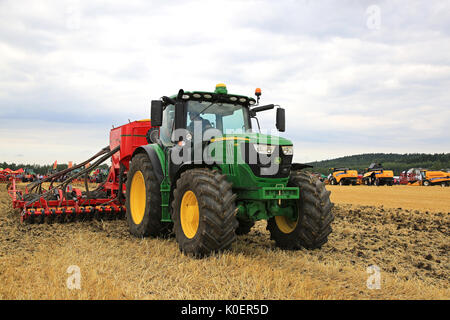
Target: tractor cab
(218,111)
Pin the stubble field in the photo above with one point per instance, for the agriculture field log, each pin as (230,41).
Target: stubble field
(402,230)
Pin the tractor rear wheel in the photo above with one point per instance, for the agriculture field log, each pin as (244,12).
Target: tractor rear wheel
(143,200)
(204,212)
(313,224)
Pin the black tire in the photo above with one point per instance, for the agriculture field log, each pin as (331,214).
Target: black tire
(217,221)
(426,183)
(342,182)
(314,216)
(244,227)
(150,224)
(377,182)
(152,135)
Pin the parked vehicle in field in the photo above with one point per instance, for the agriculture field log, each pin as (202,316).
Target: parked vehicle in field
(425,177)
(376,175)
(343,176)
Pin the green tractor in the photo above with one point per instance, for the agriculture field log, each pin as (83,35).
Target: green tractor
(207,177)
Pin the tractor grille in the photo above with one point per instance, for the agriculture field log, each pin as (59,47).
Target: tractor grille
(266,166)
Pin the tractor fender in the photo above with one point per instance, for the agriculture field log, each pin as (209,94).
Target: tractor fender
(299,166)
(149,149)
(176,172)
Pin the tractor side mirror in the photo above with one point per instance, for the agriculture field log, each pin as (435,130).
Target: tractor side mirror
(281,120)
(180,115)
(156,113)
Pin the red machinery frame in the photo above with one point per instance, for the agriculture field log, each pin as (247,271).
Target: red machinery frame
(72,203)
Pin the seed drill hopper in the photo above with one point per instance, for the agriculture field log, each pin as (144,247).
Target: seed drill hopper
(55,199)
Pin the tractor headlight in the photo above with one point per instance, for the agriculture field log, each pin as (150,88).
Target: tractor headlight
(264,148)
(288,150)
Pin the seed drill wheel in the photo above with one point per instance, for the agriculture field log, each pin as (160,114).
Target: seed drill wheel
(426,183)
(313,224)
(203,212)
(143,201)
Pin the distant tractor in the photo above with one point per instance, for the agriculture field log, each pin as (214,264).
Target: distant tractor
(343,176)
(425,177)
(29,175)
(376,175)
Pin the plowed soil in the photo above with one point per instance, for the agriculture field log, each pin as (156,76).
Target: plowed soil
(402,230)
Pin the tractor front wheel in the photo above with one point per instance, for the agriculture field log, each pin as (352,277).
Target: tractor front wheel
(204,212)
(313,224)
(143,200)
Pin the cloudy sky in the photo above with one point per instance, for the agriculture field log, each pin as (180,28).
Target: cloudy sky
(354,76)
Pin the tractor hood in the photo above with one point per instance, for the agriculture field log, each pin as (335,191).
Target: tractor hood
(254,137)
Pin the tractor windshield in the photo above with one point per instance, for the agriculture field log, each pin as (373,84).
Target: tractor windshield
(226,117)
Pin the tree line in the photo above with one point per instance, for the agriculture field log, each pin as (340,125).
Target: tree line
(41,169)
(392,161)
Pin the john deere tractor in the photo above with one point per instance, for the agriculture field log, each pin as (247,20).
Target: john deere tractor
(209,175)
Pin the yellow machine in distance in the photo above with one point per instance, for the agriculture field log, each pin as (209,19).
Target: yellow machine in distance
(343,176)
(434,177)
(376,175)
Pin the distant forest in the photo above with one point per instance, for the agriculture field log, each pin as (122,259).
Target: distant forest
(391,161)
(40,169)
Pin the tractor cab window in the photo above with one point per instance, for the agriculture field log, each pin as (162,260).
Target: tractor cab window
(166,127)
(225,117)
(235,121)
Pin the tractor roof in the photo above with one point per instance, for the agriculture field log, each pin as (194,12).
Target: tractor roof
(220,94)
(220,97)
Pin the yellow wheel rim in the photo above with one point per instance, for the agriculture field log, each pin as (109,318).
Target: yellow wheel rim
(189,214)
(138,197)
(286,225)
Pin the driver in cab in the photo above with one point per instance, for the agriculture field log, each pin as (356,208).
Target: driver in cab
(196,119)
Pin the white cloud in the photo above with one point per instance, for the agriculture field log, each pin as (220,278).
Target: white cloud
(347,89)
